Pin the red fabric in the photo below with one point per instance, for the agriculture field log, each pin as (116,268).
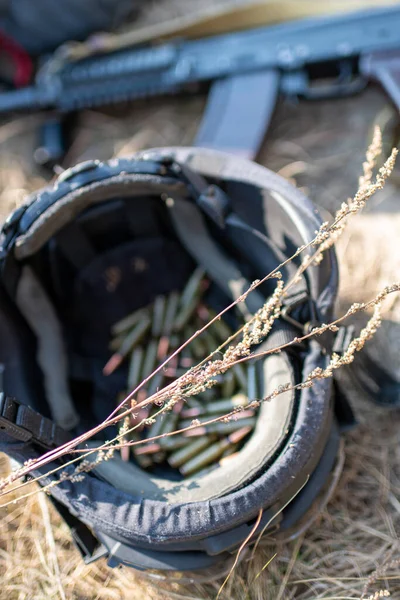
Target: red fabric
(21,60)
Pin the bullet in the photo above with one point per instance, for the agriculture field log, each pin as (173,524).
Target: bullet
(203,313)
(170,422)
(251,381)
(150,359)
(210,342)
(116,342)
(143,460)
(214,451)
(189,299)
(131,340)
(208,395)
(130,321)
(141,415)
(185,360)
(155,428)
(141,395)
(135,364)
(193,402)
(193,286)
(174,373)
(191,413)
(196,346)
(221,328)
(204,458)
(155,383)
(174,442)
(185,313)
(125,453)
(178,406)
(220,427)
(163,347)
(182,456)
(240,374)
(216,407)
(244,414)
(203,472)
(227,404)
(228,385)
(175,341)
(158,316)
(170,313)
(151,448)
(159,458)
(240,434)
(228,455)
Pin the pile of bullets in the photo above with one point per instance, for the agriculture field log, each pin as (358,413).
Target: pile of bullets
(145,339)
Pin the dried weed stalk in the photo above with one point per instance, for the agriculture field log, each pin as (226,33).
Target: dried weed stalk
(203,375)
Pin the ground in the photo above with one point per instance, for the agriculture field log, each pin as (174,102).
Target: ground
(320,148)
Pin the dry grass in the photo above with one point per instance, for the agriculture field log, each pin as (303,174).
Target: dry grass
(357,532)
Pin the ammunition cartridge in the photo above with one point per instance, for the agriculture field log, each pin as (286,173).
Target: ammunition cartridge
(143,460)
(227,404)
(131,340)
(155,428)
(170,422)
(155,383)
(237,436)
(228,454)
(240,374)
(151,448)
(125,453)
(116,342)
(135,364)
(205,471)
(174,373)
(140,416)
(208,395)
(174,341)
(229,384)
(193,402)
(221,428)
(185,313)
(150,359)
(210,341)
(158,316)
(182,456)
(191,413)
(178,406)
(185,360)
(193,286)
(244,414)
(196,346)
(203,313)
(163,347)
(170,313)
(222,330)
(216,407)
(251,381)
(130,321)
(174,442)
(158,457)
(204,458)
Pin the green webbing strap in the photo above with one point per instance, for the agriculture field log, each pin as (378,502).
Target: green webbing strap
(194,235)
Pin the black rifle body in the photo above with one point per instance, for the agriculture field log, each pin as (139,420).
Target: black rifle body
(247,68)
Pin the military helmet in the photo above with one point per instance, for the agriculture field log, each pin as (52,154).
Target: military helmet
(101,244)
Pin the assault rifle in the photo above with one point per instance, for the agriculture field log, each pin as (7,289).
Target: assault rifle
(311,58)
